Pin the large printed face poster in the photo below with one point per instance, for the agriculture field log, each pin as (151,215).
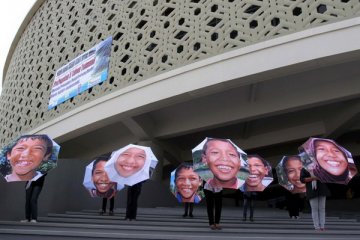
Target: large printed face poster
(220,163)
(96,179)
(131,164)
(328,161)
(260,174)
(82,73)
(288,171)
(185,184)
(28,158)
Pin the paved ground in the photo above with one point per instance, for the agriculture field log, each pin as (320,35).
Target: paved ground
(167,223)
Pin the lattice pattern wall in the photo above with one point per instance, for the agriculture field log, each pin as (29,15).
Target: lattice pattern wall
(150,37)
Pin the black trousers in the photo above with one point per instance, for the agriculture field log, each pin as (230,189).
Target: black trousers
(213,202)
(132,200)
(248,202)
(293,204)
(104,203)
(189,208)
(31,206)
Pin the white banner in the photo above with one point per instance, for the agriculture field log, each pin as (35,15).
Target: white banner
(85,71)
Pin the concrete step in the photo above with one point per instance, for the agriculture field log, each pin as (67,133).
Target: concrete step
(154,223)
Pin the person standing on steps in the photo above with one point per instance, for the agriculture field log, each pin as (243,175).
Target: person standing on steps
(133,193)
(32,191)
(316,193)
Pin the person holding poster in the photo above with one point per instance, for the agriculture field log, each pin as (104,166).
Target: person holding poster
(32,192)
(98,184)
(249,199)
(133,194)
(292,166)
(316,193)
(187,184)
(213,198)
(131,165)
(111,208)
(26,155)
(223,160)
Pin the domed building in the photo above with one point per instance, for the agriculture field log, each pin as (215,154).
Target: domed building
(266,74)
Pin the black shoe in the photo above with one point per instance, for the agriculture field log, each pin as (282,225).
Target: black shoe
(190,215)
(102,212)
(244,219)
(251,219)
(111,213)
(184,215)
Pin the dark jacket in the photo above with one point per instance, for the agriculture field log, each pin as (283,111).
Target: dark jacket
(321,188)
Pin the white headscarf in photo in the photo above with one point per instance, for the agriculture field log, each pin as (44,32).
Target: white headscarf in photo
(137,177)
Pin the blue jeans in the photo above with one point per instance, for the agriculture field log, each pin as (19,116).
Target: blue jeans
(318,211)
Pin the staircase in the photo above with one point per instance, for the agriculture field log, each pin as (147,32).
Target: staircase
(168,223)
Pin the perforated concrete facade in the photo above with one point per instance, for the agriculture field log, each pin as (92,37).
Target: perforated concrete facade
(150,37)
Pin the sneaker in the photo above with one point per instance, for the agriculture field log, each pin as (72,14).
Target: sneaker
(218,227)
(33,221)
(212,227)
(25,220)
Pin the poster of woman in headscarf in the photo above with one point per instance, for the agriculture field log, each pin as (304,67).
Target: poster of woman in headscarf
(328,161)
(288,171)
(131,164)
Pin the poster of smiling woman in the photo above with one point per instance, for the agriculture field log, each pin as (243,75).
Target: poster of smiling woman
(288,171)
(131,164)
(28,158)
(328,161)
